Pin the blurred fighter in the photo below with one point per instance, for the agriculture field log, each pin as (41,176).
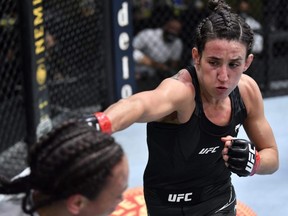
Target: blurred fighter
(74,170)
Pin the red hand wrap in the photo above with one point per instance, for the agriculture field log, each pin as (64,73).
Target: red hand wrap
(257,163)
(104,122)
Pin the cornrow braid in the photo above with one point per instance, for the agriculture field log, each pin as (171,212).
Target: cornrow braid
(72,158)
(218,5)
(223,10)
(223,24)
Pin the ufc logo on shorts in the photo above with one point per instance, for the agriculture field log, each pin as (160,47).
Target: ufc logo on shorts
(251,159)
(180,197)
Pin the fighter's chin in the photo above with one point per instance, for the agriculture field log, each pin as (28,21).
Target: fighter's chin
(222,92)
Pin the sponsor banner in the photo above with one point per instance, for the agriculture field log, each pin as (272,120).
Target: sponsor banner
(122,48)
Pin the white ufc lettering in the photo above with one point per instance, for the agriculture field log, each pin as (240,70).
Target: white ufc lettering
(179,197)
(251,159)
(209,150)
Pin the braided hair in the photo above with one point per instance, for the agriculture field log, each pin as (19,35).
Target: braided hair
(223,24)
(72,158)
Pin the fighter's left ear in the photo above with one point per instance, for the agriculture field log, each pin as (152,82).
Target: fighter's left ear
(75,203)
(195,56)
(248,61)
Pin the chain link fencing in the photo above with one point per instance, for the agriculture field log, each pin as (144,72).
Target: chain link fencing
(268,19)
(75,55)
(12,98)
(75,65)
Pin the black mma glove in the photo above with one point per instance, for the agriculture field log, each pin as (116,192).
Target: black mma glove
(100,121)
(244,159)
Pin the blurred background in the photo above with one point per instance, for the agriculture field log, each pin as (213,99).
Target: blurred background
(62,59)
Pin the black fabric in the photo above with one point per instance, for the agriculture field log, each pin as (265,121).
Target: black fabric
(222,202)
(190,152)
(189,155)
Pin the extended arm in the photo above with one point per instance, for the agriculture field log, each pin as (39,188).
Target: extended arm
(172,95)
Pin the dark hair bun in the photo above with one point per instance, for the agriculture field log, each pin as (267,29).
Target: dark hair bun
(216,5)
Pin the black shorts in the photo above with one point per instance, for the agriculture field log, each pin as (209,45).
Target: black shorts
(219,200)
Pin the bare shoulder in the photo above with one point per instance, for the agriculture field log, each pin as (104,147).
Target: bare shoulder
(250,93)
(178,86)
(183,76)
(248,86)
(180,93)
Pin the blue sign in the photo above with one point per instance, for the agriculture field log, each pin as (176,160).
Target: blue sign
(122,49)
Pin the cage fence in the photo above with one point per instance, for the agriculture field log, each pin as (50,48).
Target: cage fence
(267,19)
(76,76)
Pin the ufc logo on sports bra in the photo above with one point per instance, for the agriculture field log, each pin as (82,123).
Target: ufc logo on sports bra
(180,197)
(209,150)
(251,159)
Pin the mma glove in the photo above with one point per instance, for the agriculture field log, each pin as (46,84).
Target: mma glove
(100,122)
(244,159)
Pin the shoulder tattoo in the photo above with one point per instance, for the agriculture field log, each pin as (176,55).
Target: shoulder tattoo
(178,75)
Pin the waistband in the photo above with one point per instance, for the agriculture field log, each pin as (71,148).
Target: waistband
(189,196)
